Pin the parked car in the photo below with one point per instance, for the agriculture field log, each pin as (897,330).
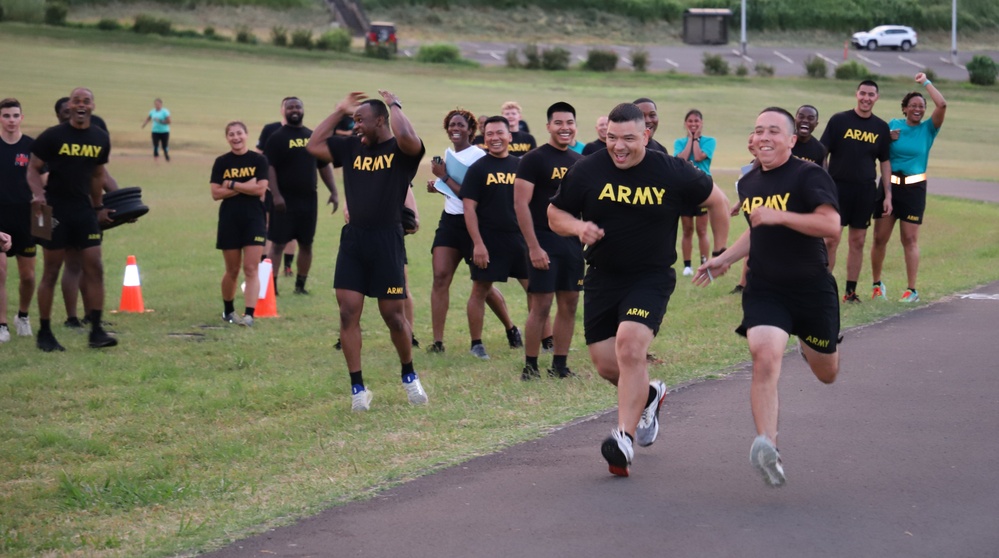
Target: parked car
(381,33)
(894,36)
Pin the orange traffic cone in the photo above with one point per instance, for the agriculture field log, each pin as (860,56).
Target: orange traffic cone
(267,302)
(131,291)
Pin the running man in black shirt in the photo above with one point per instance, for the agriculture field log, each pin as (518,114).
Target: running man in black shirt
(807,147)
(76,154)
(624,205)
(556,272)
(292,183)
(15,215)
(791,207)
(857,140)
(379,163)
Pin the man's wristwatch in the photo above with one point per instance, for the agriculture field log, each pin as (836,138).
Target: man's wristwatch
(396,103)
(232,184)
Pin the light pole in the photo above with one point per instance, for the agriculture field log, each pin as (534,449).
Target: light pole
(742,19)
(953,32)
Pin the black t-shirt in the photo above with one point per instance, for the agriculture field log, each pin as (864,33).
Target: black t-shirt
(544,167)
(14,158)
(72,155)
(489,181)
(521,143)
(294,166)
(656,146)
(812,151)
(265,133)
(99,122)
(594,146)
(375,179)
(854,145)
(240,168)
(638,208)
(779,254)
(346,124)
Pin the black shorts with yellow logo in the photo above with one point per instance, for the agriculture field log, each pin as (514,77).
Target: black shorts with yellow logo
(507,257)
(609,299)
(908,202)
(16,220)
(371,262)
(238,231)
(809,310)
(74,226)
(565,265)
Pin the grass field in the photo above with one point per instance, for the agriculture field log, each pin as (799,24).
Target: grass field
(190,434)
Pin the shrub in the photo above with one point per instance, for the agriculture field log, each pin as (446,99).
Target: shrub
(852,70)
(108,24)
(337,40)
(930,74)
(982,70)
(555,59)
(533,57)
(1,12)
(599,60)
(439,54)
(512,58)
(301,38)
(815,67)
(715,65)
(147,24)
(764,70)
(26,11)
(209,32)
(55,13)
(382,52)
(640,59)
(742,70)
(245,35)
(187,34)
(279,36)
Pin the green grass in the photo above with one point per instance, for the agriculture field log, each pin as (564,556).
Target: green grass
(190,434)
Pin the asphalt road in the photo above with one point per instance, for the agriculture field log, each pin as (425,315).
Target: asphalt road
(896,459)
(785,61)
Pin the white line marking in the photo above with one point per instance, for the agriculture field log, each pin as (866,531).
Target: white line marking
(494,55)
(827,59)
(908,61)
(868,60)
(785,58)
(671,63)
(737,52)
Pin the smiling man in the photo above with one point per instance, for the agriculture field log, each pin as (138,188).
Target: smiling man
(790,206)
(624,205)
(807,147)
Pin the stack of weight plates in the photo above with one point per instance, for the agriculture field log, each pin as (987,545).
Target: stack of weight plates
(127,206)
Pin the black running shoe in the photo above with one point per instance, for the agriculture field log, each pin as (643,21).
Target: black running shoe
(73,322)
(415,342)
(100,339)
(437,347)
(529,373)
(338,346)
(548,344)
(514,338)
(299,291)
(561,373)
(618,451)
(46,341)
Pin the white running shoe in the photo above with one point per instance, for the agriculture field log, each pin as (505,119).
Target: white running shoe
(648,425)
(360,400)
(618,452)
(23,326)
(4,333)
(414,389)
(765,457)
(687,271)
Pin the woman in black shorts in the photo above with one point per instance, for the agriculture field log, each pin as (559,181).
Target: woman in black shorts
(239,180)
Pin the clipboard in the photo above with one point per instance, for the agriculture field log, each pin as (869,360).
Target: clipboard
(41,225)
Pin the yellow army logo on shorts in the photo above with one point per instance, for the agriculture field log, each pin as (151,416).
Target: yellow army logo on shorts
(816,341)
(258,239)
(637,312)
(776,201)
(94,236)
(395,291)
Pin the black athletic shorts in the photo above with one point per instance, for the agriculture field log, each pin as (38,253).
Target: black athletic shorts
(507,257)
(693,211)
(809,310)
(370,261)
(609,299)
(452,233)
(294,224)
(236,231)
(908,202)
(75,227)
(16,221)
(565,266)
(856,204)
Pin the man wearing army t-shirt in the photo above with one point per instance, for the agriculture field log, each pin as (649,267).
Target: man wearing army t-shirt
(651,115)
(807,147)
(76,154)
(292,182)
(624,205)
(856,141)
(556,272)
(379,162)
(791,206)
(520,141)
(601,141)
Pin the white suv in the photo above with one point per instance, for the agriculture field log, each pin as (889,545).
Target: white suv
(894,36)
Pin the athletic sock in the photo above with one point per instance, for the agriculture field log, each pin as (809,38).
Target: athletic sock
(476,342)
(356,379)
(652,396)
(249,311)
(686,263)
(851,286)
(288,259)
(407,368)
(229,307)
(876,284)
(95,321)
(532,362)
(22,314)
(300,281)
(559,361)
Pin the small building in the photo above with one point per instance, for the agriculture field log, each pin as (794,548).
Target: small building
(706,26)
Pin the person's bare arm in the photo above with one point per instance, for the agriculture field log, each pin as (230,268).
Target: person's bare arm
(402,128)
(326,173)
(523,191)
(564,223)
(317,142)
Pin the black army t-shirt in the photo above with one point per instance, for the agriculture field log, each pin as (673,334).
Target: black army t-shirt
(854,144)
(638,208)
(294,166)
(375,179)
(265,134)
(14,158)
(594,146)
(489,181)
(72,155)
(779,254)
(656,146)
(812,151)
(241,168)
(521,143)
(544,167)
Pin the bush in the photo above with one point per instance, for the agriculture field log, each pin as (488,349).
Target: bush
(279,36)
(764,70)
(245,35)
(982,70)
(108,24)
(1,12)
(147,25)
(852,70)
(301,38)
(533,57)
(555,59)
(439,54)
(209,32)
(930,74)
(26,11)
(337,40)
(512,58)
(382,52)
(55,13)
(715,65)
(640,59)
(815,67)
(599,60)
(742,70)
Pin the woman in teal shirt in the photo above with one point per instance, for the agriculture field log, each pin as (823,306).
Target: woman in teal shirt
(160,117)
(699,150)
(912,138)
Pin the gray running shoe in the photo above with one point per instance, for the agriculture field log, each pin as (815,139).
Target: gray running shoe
(230,318)
(246,321)
(618,452)
(414,389)
(479,351)
(765,457)
(648,425)
(4,333)
(361,400)
(23,326)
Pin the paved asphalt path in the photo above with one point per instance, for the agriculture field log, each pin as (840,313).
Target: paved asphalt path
(898,458)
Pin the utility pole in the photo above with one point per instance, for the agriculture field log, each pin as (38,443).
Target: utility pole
(953,32)
(743,25)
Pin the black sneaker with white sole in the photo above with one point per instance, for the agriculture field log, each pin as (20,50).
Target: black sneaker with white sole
(618,451)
